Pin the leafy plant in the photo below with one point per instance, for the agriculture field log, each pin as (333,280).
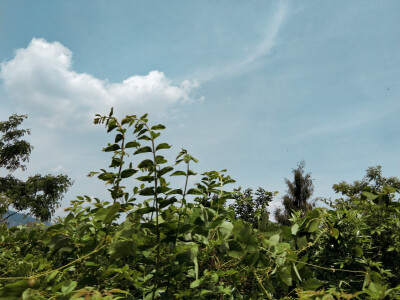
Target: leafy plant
(156,241)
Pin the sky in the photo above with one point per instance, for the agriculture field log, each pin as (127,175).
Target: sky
(253,87)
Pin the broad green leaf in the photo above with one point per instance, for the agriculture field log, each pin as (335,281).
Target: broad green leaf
(107,214)
(301,242)
(144,137)
(358,250)
(235,249)
(285,275)
(68,287)
(160,160)
(132,144)
(313,226)
(138,127)
(146,164)
(312,284)
(149,191)
(163,146)
(112,124)
(369,195)
(154,135)
(128,173)
(13,291)
(194,191)
(144,149)
(295,228)
(196,283)
(335,233)
(111,148)
(251,259)
(164,171)
(118,138)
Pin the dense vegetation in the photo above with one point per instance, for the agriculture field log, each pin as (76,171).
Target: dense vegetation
(165,242)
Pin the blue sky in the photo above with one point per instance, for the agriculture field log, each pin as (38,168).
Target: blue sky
(250,86)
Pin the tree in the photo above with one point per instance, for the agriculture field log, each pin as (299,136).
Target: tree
(250,209)
(298,193)
(40,194)
(373,178)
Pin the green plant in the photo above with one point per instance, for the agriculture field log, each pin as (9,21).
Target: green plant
(155,241)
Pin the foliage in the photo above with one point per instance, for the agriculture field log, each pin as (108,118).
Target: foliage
(186,243)
(40,194)
(373,178)
(297,196)
(250,209)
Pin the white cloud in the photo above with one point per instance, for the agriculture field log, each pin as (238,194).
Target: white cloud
(41,78)
(59,169)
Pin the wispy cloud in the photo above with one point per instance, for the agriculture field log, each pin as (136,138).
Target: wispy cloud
(261,49)
(40,77)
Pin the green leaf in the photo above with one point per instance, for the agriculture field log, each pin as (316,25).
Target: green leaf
(178,173)
(194,251)
(301,242)
(132,144)
(335,233)
(111,148)
(285,275)
(145,178)
(13,291)
(312,284)
(358,250)
(107,214)
(251,259)
(149,191)
(295,228)
(112,124)
(128,173)
(138,127)
(313,226)
(158,127)
(196,283)
(163,146)
(166,202)
(194,192)
(68,287)
(144,149)
(296,271)
(147,163)
(369,195)
(164,171)
(154,135)
(235,249)
(118,138)
(144,137)
(175,192)
(160,160)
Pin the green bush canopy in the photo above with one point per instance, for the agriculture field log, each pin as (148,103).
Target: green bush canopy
(157,241)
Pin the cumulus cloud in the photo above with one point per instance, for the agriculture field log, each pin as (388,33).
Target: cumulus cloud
(41,77)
